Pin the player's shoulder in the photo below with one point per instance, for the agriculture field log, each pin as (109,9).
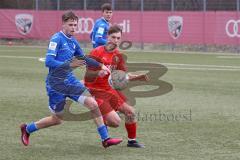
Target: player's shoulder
(101,22)
(100,47)
(116,51)
(56,37)
(97,51)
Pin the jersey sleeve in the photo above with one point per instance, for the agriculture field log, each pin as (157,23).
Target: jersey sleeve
(52,51)
(53,46)
(95,56)
(79,54)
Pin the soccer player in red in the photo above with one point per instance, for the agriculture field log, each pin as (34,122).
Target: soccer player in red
(110,100)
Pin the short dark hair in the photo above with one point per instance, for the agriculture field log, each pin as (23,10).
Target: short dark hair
(114,29)
(69,15)
(106,6)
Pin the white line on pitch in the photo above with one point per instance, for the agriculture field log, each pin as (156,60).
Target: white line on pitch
(24,57)
(169,65)
(190,65)
(206,69)
(229,57)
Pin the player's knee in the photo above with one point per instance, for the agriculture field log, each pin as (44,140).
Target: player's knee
(91,103)
(114,122)
(131,115)
(132,111)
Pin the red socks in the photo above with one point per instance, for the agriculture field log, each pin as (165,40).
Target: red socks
(131,130)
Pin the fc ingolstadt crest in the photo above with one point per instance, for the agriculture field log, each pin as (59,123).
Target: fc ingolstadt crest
(24,23)
(175,25)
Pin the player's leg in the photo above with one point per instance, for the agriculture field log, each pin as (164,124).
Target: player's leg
(112,119)
(29,128)
(88,101)
(56,106)
(130,125)
(49,121)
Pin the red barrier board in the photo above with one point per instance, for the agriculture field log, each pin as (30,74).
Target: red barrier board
(149,27)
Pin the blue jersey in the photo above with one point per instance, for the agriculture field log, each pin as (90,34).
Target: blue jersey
(99,33)
(62,48)
(60,82)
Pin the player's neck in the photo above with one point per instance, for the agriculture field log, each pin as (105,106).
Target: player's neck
(66,35)
(109,49)
(105,19)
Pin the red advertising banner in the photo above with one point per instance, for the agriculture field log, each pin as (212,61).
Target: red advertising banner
(149,27)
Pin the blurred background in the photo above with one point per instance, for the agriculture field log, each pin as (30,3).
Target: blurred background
(148,5)
(195,25)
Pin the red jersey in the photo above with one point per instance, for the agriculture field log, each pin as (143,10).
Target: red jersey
(113,60)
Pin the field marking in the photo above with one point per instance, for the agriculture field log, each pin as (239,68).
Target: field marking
(206,69)
(229,57)
(177,66)
(190,65)
(197,65)
(42,59)
(23,57)
(133,50)
(193,68)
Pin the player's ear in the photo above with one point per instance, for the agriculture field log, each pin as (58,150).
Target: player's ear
(63,24)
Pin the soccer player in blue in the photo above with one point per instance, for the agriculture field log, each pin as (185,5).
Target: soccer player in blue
(63,55)
(101,26)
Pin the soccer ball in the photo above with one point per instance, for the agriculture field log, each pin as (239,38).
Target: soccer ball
(118,79)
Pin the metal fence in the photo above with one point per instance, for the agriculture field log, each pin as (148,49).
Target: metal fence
(148,5)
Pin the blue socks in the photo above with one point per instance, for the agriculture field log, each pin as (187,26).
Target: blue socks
(103,132)
(31,127)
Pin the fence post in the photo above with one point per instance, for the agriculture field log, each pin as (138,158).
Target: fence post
(113,4)
(204,5)
(58,4)
(85,43)
(141,26)
(204,25)
(237,5)
(172,10)
(85,5)
(36,4)
(172,5)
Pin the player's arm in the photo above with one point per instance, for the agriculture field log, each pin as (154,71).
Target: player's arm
(137,77)
(51,62)
(99,36)
(52,53)
(131,76)
(90,62)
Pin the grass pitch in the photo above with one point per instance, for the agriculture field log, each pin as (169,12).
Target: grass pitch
(198,119)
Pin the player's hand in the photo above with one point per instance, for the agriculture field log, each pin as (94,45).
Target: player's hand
(102,73)
(105,69)
(143,77)
(77,63)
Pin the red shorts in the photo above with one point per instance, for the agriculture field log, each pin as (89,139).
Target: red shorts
(108,100)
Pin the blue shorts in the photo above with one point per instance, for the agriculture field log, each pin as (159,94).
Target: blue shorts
(72,88)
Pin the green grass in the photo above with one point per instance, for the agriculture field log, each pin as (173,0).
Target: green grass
(211,133)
